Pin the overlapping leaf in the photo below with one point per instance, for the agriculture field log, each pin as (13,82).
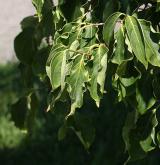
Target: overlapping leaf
(109,27)
(98,73)
(151,48)
(76,81)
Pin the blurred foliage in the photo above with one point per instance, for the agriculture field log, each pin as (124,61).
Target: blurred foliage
(10,89)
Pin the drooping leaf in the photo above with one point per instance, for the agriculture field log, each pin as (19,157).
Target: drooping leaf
(136,39)
(109,27)
(76,83)
(130,124)
(58,70)
(142,104)
(84,129)
(139,137)
(128,73)
(24,45)
(19,112)
(98,73)
(119,53)
(122,50)
(74,7)
(29,22)
(151,48)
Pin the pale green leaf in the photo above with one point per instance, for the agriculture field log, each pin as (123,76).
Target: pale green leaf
(98,72)
(58,70)
(74,46)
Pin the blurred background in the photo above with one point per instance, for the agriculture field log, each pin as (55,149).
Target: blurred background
(11,14)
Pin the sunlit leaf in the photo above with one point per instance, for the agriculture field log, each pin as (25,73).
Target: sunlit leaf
(109,27)
(136,39)
(98,73)
(38,5)
(151,48)
(76,82)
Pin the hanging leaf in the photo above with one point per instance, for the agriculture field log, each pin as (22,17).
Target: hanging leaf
(98,72)
(109,27)
(24,45)
(119,53)
(151,48)
(136,39)
(76,83)
(138,136)
(58,70)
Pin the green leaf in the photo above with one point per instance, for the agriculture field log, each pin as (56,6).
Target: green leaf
(128,73)
(136,39)
(84,129)
(139,137)
(130,124)
(62,132)
(29,22)
(158,138)
(151,48)
(19,112)
(76,82)
(119,53)
(98,72)
(109,26)
(38,5)
(142,104)
(24,45)
(88,36)
(58,70)
(156,87)
(74,46)
(55,49)
(74,11)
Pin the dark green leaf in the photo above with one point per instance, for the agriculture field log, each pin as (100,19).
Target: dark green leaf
(24,46)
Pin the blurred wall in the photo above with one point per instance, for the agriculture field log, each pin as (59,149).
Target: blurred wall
(11,13)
